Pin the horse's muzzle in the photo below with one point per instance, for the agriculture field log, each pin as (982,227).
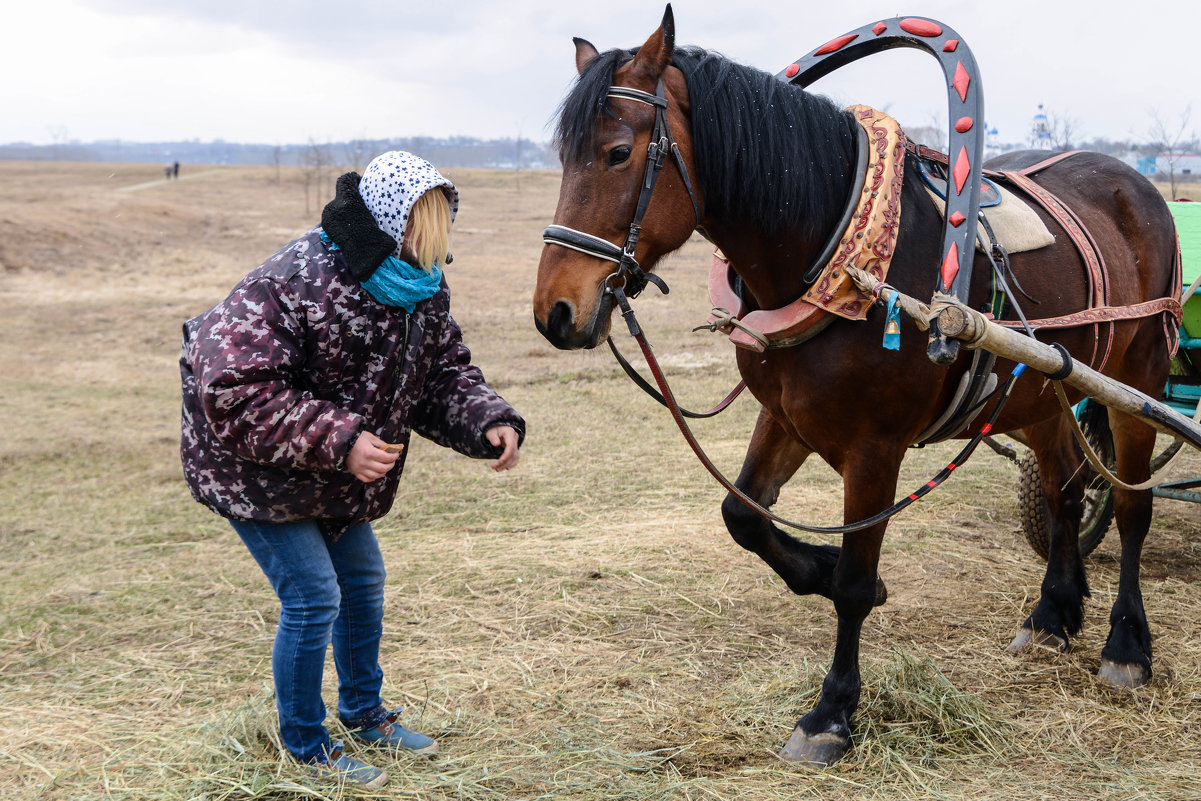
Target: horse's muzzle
(560,328)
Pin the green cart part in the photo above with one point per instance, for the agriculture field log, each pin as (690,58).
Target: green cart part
(1188,228)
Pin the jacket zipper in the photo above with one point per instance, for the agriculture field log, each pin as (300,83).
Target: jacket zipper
(401,359)
(404,342)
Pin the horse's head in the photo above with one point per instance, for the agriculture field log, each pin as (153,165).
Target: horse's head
(615,134)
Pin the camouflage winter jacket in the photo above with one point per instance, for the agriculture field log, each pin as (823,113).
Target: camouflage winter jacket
(281,376)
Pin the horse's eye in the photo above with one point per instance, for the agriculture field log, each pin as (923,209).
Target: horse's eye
(617,155)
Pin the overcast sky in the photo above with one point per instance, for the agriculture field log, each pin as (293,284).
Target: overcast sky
(264,71)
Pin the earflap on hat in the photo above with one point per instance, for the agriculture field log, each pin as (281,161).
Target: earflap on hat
(391,185)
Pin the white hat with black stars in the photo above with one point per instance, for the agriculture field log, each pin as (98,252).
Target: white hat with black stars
(391,185)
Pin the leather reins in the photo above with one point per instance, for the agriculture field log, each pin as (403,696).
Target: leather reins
(668,400)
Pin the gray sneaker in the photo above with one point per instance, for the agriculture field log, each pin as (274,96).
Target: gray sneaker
(391,734)
(342,768)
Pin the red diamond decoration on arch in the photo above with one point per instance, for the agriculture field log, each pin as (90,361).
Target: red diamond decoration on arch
(950,266)
(963,165)
(956,219)
(961,81)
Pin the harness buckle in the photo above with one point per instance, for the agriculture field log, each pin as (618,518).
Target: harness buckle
(656,152)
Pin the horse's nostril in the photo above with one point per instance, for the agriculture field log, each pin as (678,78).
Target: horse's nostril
(558,322)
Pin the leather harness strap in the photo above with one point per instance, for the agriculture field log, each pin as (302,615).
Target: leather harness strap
(1104,314)
(1094,263)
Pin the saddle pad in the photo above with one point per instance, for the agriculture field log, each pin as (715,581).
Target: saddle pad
(1017,226)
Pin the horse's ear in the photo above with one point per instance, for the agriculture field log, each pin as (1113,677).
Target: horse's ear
(654,56)
(584,53)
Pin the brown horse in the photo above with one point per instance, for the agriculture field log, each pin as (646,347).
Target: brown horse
(764,169)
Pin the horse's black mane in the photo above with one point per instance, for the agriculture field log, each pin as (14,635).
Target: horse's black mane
(765,150)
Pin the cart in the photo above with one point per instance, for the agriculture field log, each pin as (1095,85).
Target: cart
(1182,392)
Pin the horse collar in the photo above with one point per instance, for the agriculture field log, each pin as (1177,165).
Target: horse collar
(865,239)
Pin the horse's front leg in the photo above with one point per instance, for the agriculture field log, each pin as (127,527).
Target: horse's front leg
(824,735)
(772,458)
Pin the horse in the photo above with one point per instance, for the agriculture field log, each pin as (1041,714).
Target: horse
(764,169)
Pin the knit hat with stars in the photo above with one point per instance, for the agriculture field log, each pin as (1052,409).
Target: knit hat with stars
(391,185)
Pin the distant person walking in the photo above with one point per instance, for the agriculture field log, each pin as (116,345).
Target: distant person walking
(175,170)
(293,388)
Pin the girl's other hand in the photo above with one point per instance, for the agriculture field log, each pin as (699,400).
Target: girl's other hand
(367,461)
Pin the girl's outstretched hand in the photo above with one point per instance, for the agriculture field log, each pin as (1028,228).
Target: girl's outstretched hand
(506,437)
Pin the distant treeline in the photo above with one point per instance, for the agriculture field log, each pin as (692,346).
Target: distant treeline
(449,152)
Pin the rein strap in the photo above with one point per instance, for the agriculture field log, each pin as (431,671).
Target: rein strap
(668,400)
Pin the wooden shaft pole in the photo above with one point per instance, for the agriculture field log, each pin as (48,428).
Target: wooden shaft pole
(964,323)
(977,331)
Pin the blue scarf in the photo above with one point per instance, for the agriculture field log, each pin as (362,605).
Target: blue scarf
(398,283)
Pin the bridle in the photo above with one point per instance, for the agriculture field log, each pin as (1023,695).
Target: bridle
(631,278)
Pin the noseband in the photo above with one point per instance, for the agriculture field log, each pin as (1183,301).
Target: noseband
(632,278)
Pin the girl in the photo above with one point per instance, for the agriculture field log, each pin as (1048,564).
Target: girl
(300,391)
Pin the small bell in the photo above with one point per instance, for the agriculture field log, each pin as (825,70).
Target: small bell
(892,325)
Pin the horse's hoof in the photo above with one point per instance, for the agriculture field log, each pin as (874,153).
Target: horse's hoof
(1123,676)
(1041,639)
(820,750)
(881,592)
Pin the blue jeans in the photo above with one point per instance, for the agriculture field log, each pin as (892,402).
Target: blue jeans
(327,592)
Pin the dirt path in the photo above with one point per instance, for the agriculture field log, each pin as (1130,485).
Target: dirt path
(161,181)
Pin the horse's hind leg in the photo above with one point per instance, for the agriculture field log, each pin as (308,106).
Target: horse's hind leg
(1059,613)
(772,458)
(1126,657)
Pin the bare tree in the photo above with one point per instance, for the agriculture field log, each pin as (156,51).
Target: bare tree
(517,161)
(1169,140)
(1063,130)
(313,161)
(60,137)
(933,136)
(357,152)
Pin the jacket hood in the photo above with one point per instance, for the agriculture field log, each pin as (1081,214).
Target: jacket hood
(391,185)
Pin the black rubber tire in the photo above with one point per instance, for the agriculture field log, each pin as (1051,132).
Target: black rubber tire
(1098,494)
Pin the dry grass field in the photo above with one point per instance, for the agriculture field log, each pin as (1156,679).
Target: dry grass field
(582,627)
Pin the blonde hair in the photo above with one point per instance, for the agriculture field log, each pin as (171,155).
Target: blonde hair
(428,234)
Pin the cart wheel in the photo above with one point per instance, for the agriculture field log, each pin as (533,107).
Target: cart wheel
(1098,494)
